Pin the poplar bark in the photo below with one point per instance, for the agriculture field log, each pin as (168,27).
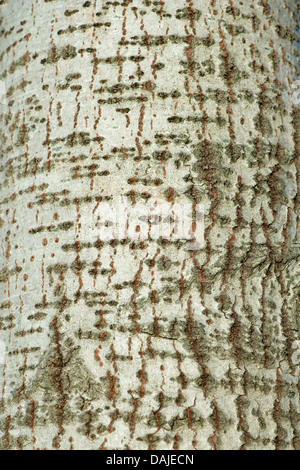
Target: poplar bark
(126,345)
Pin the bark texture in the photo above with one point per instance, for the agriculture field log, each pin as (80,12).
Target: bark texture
(127,345)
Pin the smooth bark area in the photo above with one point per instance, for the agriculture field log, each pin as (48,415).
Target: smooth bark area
(147,345)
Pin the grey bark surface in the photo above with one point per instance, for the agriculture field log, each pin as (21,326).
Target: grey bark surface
(125,345)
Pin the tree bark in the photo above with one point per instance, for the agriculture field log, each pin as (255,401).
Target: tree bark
(148,345)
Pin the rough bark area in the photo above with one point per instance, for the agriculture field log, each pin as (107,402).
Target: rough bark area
(148,345)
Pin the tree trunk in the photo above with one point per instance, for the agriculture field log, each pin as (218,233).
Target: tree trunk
(145,344)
